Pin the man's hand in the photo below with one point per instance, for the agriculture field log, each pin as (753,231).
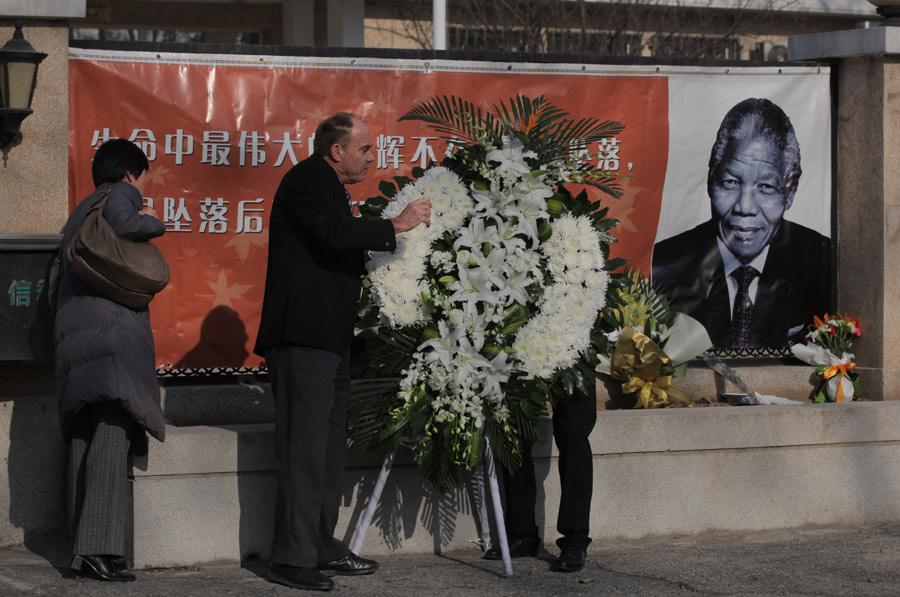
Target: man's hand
(148,211)
(413,214)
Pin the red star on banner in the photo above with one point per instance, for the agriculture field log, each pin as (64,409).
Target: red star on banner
(243,242)
(157,175)
(623,207)
(382,106)
(318,115)
(223,294)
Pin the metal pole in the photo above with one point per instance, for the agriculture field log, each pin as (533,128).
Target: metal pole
(483,507)
(439,24)
(363,527)
(498,507)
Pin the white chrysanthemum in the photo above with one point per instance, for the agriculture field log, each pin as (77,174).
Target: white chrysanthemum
(553,339)
(398,278)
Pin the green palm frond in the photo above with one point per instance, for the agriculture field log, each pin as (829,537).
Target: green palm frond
(370,406)
(543,127)
(460,121)
(546,130)
(435,461)
(658,303)
(531,118)
(604,182)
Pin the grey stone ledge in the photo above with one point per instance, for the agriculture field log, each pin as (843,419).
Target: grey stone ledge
(874,41)
(251,448)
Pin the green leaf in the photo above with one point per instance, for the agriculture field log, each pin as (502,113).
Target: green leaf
(614,264)
(604,224)
(387,189)
(555,207)
(476,447)
(430,332)
(401,181)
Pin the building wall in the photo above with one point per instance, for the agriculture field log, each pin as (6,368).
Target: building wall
(33,456)
(34,180)
(34,200)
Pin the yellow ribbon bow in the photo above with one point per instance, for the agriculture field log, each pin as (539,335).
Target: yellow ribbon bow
(639,360)
(839,370)
(655,394)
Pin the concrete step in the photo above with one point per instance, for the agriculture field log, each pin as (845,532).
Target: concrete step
(207,493)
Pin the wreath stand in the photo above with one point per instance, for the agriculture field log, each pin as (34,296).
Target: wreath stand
(488,459)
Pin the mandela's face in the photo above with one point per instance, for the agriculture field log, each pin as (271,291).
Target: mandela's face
(749,196)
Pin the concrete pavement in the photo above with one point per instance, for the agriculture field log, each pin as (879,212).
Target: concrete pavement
(830,561)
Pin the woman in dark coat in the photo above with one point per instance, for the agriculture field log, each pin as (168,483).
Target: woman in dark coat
(105,370)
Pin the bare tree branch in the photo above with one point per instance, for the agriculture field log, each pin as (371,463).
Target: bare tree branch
(668,28)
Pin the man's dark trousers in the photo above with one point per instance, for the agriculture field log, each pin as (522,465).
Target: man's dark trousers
(573,421)
(312,391)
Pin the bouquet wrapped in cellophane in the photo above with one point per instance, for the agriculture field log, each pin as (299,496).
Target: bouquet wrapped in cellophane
(827,347)
(648,343)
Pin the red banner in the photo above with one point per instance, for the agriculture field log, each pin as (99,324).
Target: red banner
(221,131)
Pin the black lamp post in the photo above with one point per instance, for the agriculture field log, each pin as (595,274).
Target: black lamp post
(18,76)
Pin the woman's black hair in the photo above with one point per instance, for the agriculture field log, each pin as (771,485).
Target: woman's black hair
(116,158)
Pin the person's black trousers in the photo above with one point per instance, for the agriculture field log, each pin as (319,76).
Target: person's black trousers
(573,421)
(98,479)
(312,392)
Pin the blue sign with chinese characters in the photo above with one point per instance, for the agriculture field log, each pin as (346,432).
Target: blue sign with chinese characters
(26,323)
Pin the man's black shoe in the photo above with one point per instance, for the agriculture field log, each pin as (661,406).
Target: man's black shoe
(99,567)
(571,559)
(519,547)
(300,578)
(350,565)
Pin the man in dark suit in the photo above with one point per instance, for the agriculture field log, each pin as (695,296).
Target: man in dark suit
(573,421)
(313,283)
(749,276)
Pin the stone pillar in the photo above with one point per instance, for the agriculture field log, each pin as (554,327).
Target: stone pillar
(866,64)
(298,23)
(346,23)
(34,201)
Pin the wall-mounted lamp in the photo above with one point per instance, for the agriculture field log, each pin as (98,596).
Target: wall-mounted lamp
(18,76)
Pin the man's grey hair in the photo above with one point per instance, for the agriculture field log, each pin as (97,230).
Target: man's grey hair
(334,129)
(758,118)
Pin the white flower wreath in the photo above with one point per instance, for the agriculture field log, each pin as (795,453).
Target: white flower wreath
(491,303)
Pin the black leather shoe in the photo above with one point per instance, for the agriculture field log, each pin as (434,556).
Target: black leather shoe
(571,559)
(519,547)
(99,567)
(350,565)
(300,578)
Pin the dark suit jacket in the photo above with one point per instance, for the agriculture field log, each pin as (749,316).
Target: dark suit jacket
(316,261)
(794,285)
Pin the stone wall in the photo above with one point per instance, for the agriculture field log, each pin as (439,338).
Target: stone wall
(34,200)
(34,182)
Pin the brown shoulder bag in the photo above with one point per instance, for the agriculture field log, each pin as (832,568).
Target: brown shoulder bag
(125,271)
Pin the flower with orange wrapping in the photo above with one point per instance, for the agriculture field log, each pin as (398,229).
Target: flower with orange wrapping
(827,345)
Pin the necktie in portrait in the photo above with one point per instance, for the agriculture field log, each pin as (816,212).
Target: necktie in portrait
(743,307)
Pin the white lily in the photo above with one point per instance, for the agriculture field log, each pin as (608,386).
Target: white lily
(510,157)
